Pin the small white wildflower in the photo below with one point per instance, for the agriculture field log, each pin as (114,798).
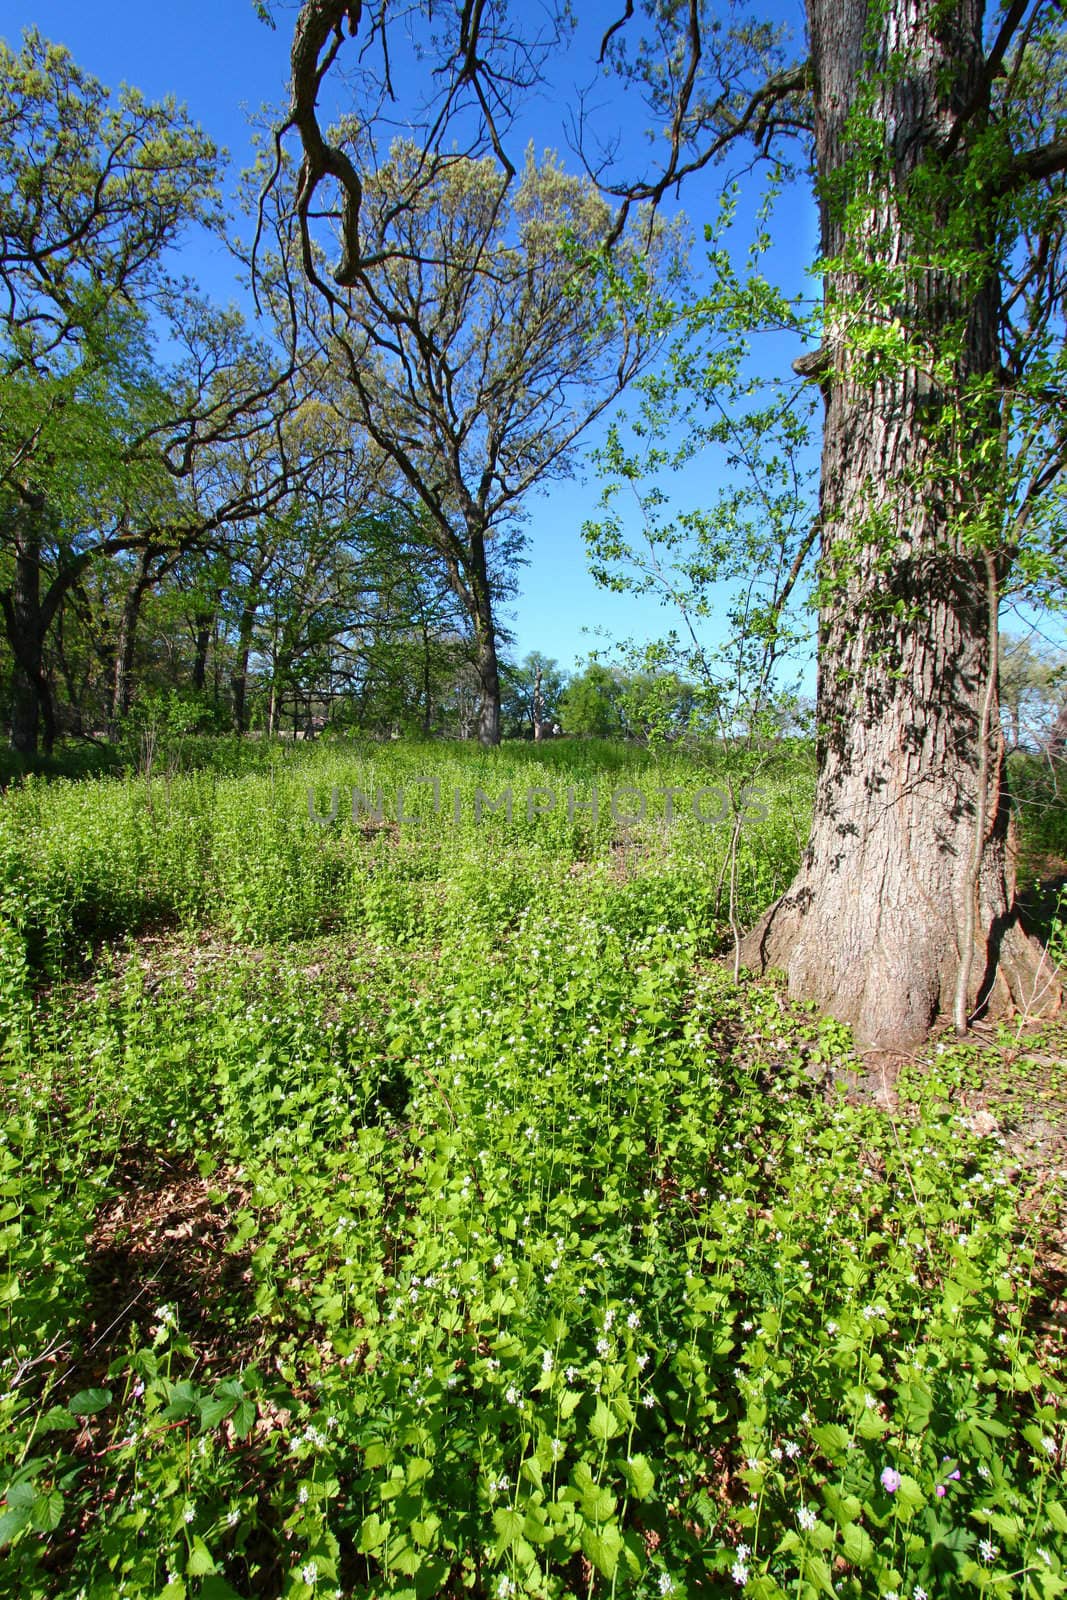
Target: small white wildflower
(806,1518)
(310,1573)
(989,1551)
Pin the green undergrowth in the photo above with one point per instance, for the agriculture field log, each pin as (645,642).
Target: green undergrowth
(477,1236)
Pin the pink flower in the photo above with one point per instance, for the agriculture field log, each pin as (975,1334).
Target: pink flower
(890,1480)
(941,1491)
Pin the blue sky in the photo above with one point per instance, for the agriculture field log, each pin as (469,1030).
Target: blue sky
(224,63)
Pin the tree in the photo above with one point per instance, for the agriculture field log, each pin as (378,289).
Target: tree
(590,705)
(904,905)
(475,340)
(532,695)
(1030,681)
(937,154)
(91,196)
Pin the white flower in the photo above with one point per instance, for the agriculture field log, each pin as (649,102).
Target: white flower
(919,1593)
(504,1587)
(232,1518)
(310,1573)
(792,1450)
(633,1320)
(743,1552)
(806,1518)
(602,1347)
(1046,1558)
(189,1513)
(739,1573)
(547,1361)
(666,1583)
(512,1395)
(989,1550)
(303,1494)
(1049,1446)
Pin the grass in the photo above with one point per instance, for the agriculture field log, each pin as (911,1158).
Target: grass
(423,1210)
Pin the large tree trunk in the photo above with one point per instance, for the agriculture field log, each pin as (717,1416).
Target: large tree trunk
(26,623)
(239,682)
(126,642)
(485,643)
(876,924)
(204,624)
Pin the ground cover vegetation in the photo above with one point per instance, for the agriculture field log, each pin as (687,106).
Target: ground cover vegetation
(404,1190)
(423,1209)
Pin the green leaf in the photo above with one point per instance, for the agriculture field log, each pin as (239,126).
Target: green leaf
(569,1401)
(605,1425)
(47,1511)
(639,1476)
(212,1412)
(12,1522)
(858,1545)
(372,1534)
(87,1402)
(508,1525)
(200,1563)
(831,1438)
(603,1547)
(244,1419)
(57,1419)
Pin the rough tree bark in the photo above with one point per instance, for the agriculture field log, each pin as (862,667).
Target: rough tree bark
(873,926)
(204,624)
(480,592)
(27,617)
(126,641)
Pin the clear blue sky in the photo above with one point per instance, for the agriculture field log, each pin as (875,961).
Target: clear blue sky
(223,63)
